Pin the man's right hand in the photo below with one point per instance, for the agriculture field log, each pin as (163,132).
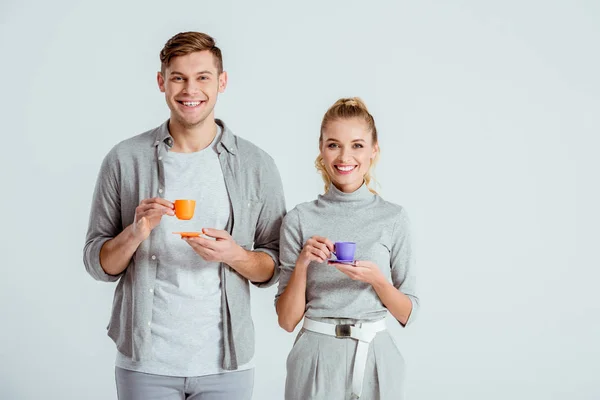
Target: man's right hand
(148,215)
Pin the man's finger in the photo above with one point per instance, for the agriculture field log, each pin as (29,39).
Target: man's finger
(201,251)
(203,242)
(162,210)
(158,207)
(158,200)
(152,214)
(196,246)
(215,233)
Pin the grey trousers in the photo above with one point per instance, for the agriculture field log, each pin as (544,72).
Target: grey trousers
(132,385)
(319,367)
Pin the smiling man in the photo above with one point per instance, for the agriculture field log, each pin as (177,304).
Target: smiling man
(181,311)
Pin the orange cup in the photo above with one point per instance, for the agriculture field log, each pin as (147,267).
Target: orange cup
(184,209)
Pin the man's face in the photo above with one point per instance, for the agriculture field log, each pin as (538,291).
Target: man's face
(191,84)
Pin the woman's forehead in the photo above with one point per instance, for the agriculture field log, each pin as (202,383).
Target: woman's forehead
(346,129)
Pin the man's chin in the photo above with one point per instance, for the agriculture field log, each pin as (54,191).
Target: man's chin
(191,123)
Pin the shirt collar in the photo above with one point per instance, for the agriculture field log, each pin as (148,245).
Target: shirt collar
(227,138)
(163,135)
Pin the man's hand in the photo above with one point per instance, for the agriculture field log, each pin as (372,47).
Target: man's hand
(148,215)
(364,271)
(222,249)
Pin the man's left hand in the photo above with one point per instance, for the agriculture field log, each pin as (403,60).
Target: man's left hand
(222,249)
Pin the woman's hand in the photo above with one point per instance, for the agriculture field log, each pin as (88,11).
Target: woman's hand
(399,305)
(317,248)
(364,271)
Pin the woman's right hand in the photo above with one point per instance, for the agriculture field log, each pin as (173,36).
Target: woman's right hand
(317,248)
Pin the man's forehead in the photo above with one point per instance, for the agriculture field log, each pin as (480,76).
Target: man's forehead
(193,63)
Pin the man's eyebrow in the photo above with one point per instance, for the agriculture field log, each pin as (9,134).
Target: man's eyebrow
(198,73)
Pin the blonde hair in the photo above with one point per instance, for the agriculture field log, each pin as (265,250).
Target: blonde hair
(348,108)
(185,43)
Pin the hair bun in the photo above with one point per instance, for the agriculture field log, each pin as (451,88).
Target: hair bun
(354,102)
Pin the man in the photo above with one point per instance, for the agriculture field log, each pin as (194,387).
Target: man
(181,312)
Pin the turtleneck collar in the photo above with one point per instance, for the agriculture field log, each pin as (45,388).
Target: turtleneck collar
(362,194)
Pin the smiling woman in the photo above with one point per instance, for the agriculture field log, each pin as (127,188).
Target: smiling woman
(346,300)
(348,145)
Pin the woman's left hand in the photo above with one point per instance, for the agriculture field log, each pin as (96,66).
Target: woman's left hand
(364,271)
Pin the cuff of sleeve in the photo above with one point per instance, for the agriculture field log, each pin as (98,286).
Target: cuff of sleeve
(92,262)
(273,254)
(413,312)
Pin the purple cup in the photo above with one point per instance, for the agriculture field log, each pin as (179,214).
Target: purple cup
(344,251)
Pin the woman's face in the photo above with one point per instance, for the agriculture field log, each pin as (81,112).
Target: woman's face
(347,149)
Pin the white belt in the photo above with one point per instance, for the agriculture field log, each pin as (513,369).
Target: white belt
(363,334)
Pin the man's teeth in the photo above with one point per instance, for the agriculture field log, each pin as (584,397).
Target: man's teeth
(345,169)
(191,103)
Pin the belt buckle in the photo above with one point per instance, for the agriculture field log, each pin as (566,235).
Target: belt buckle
(343,330)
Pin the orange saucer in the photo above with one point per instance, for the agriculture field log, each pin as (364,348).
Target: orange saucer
(188,234)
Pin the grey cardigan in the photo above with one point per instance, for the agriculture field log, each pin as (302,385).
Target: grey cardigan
(131,172)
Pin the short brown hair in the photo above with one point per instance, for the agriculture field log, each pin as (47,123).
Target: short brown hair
(185,43)
(348,108)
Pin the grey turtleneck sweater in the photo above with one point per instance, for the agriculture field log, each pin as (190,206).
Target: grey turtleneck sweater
(381,232)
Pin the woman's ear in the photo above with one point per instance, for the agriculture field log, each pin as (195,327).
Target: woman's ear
(375,151)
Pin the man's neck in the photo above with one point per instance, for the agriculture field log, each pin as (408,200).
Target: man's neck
(190,140)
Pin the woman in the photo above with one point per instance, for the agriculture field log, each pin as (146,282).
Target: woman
(343,350)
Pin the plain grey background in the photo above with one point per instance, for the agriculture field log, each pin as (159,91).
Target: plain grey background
(489,119)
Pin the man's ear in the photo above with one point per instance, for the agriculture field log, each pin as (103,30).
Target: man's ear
(161,81)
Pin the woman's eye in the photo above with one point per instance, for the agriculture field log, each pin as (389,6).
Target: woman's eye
(332,145)
(358,146)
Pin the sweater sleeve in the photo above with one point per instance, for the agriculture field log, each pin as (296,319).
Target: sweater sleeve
(290,246)
(403,263)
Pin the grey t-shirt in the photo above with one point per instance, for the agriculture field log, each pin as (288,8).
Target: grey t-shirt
(381,232)
(186,326)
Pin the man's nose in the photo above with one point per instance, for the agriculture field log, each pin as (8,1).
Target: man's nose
(192,88)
